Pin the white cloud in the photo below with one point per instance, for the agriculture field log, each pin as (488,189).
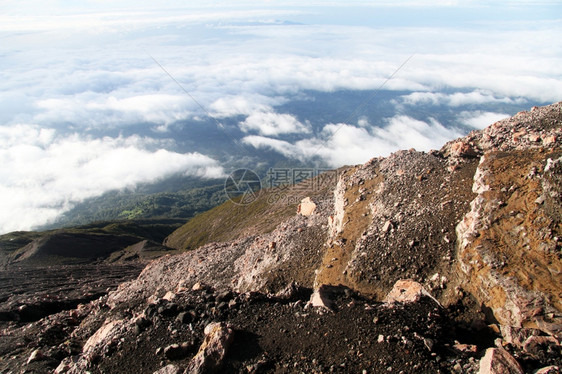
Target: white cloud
(106,77)
(100,110)
(285,148)
(455,99)
(245,103)
(479,119)
(260,114)
(269,123)
(42,175)
(344,144)
(119,18)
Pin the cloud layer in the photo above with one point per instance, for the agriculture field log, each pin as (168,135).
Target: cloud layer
(43,175)
(344,144)
(104,76)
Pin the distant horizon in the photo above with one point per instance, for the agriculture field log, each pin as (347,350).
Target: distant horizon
(86,108)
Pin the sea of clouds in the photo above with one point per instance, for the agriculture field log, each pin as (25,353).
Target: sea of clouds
(74,77)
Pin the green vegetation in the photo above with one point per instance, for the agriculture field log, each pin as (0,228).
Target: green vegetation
(139,205)
(155,230)
(231,221)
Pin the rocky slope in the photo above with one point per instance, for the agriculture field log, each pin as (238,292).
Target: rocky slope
(447,261)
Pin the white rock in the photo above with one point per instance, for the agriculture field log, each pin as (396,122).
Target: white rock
(153,299)
(169,296)
(103,333)
(387,226)
(36,355)
(320,299)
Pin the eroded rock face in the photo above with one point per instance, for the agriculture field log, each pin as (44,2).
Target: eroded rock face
(507,242)
(395,218)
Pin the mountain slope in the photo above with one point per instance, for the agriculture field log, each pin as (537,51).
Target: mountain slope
(96,242)
(470,234)
(232,221)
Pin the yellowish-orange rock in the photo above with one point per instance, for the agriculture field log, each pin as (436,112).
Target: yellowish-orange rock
(507,242)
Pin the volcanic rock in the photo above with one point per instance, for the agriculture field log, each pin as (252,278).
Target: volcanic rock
(320,298)
(178,351)
(168,369)
(209,358)
(548,370)
(406,291)
(499,361)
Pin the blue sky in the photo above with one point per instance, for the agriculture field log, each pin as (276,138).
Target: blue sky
(75,75)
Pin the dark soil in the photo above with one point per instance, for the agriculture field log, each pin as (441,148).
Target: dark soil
(272,334)
(30,293)
(275,335)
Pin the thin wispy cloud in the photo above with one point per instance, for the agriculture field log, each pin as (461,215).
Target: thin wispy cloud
(268,123)
(455,99)
(479,119)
